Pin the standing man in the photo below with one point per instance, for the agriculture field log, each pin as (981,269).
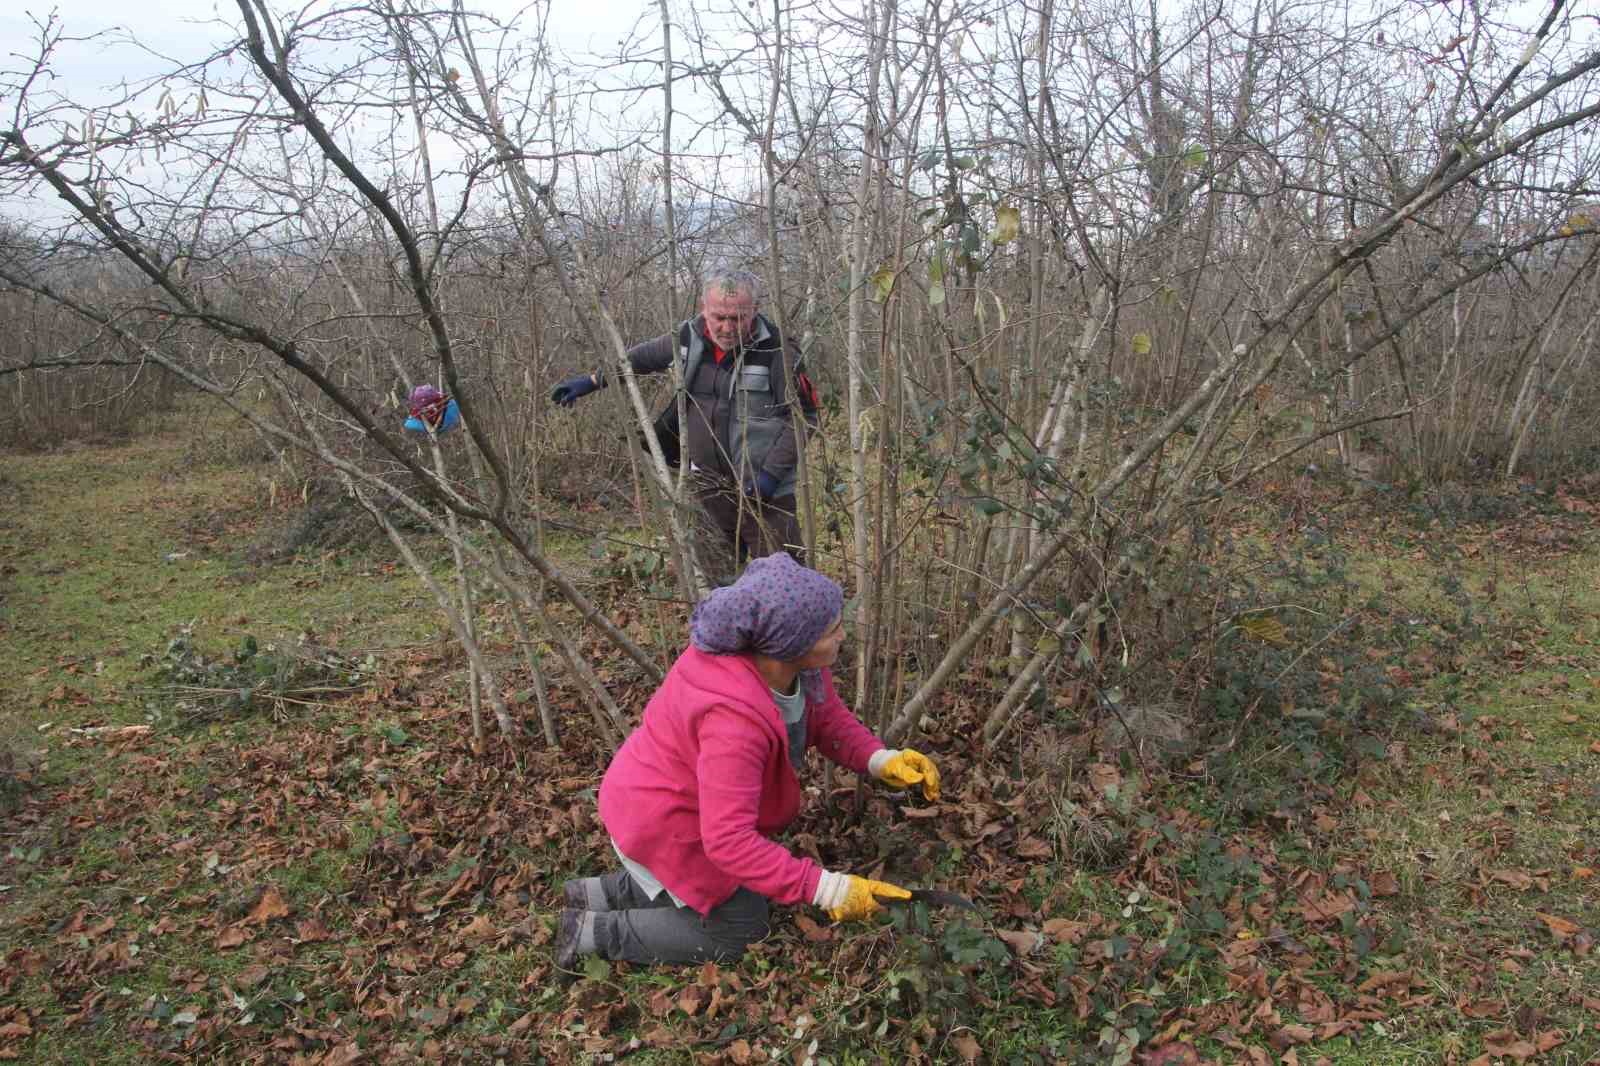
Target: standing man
(741,444)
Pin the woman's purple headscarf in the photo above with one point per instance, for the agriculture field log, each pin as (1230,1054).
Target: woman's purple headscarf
(777,607)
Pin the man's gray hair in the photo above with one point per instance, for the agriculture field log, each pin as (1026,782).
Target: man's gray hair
(731,279)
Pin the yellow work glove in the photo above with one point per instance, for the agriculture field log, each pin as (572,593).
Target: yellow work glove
(861,899)
(906,768)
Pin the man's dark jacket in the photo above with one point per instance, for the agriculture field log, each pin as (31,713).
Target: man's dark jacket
(738,408)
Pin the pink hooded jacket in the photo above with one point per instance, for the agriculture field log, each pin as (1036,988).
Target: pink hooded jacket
(693,791)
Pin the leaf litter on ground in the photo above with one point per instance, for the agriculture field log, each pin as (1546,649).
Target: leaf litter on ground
(365,885)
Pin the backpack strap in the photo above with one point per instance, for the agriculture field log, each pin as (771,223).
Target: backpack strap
(692,350)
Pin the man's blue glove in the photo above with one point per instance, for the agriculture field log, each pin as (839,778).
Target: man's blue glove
(570,391)
(763,486)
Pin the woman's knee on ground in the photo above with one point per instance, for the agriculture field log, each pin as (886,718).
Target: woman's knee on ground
(738,922)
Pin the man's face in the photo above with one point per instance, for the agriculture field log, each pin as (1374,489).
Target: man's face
(730,315)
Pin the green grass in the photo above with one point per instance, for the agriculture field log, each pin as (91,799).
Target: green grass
(106,552)
(362,814)
(107,570)
(1483,818)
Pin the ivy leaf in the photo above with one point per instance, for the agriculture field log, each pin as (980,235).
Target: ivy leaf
(969,239)
(882,285)
(1265,628)
(1007,221)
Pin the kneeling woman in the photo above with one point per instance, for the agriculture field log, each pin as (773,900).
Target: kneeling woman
(692,794)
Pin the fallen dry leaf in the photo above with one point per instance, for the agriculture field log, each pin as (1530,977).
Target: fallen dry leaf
(1033,848)
(1506,1044)
(270,906)
(1103,776)
(691,999)
(1177,1053)
(1582,873)
(345,1054)
(1170,1034)
(966,1046)
(1559,926)
(1065,930)
(1385,978)
(1290,1035)
(1385,884)
(1548,1041)
(232,937)
(1520,880)
(813,932)
(252,975)
(480,926)
(312,931)
(739,1051)
(1022,941)
(1329,907)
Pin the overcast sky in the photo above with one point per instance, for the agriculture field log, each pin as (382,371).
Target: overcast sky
(190,29)
(101,57)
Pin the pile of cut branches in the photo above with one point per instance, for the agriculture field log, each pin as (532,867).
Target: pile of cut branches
(196,688)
